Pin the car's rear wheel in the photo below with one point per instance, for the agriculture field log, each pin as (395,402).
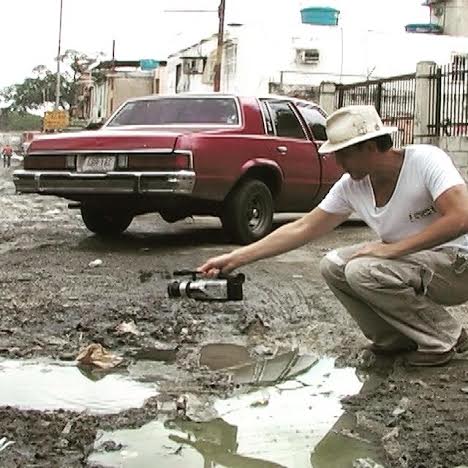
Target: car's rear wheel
(248,212)
(105,222)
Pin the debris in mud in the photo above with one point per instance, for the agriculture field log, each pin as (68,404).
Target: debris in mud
(262,350)
(127,328)
(67,429)
(110,446)
(181,405)
(261,402)
(393,434)
(145,276)
(255,326)
(96,355)
(5,443)
(402,407)
(464,389)
(420,383)
(95,263)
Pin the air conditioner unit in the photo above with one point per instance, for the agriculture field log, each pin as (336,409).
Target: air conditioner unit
(193,66)
(309,56)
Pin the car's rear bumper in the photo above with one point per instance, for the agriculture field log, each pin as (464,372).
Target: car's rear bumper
(72,183)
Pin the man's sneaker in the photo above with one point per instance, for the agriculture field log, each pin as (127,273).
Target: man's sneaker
(462,343)
(421,359)
(386,351)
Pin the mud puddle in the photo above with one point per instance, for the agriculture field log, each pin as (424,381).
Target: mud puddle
(52,386)
(289,424)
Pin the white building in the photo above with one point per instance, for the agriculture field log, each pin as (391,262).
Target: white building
(450,15)
(258,55)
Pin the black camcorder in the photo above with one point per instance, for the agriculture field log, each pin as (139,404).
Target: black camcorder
(223,288)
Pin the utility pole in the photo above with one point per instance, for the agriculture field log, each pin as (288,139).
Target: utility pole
(219,51)
(57,91)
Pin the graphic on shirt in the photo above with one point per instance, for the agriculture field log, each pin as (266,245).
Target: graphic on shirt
(429,211)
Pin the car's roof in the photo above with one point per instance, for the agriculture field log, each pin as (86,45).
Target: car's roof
(223,95)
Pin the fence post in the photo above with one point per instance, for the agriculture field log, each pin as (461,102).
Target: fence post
(327,96)
(378,97)
(422,108)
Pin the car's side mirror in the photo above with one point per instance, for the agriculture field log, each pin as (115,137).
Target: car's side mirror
(319,132)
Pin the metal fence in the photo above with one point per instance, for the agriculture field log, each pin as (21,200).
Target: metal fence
(394,99)
(448,100)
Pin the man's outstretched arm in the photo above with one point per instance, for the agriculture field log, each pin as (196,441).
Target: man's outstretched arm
(288,237)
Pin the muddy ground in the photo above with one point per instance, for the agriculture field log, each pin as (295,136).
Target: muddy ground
(53,304)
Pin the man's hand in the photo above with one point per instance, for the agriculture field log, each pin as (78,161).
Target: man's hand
(377,249)
(222,264)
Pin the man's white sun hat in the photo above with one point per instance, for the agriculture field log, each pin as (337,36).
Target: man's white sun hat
(353,124)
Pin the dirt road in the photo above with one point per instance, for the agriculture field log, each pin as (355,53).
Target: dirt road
(53,304)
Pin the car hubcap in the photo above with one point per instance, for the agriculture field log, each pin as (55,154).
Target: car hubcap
(256,213)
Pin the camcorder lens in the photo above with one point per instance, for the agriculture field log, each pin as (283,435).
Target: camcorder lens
(173,289)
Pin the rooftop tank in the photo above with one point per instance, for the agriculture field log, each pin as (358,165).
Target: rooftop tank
(324,16)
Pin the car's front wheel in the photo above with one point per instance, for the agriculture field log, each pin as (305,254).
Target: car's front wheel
(105,222)
(248,212)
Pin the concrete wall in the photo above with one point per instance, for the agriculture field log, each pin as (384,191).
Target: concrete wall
(451,15)
(107,96)
(457,148)
(126,87)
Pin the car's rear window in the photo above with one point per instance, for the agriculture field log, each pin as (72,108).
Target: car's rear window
(178,111)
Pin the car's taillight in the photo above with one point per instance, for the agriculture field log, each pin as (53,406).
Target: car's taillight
(160,162)
(182,161)
(172,162)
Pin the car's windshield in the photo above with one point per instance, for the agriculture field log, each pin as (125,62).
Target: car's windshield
(178,111)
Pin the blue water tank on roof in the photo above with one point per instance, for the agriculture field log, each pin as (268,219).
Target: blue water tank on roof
(324,16)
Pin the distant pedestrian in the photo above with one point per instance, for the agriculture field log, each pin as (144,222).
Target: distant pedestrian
(7,153)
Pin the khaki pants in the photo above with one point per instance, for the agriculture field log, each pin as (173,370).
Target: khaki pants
(399,303)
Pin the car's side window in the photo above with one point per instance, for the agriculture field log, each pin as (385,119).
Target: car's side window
(267,118)
(315,120)
(286,121)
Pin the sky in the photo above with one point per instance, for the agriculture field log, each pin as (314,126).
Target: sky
(146,29)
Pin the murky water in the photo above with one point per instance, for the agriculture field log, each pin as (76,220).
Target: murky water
(284,425)
(52,386)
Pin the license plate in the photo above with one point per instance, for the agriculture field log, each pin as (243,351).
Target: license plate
(98,164)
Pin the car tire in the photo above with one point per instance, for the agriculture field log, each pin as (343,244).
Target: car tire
(105,222)
(248,212)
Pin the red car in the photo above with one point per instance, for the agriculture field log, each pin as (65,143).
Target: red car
(238,158)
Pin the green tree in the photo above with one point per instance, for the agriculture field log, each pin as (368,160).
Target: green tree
(39,90)
(35,92)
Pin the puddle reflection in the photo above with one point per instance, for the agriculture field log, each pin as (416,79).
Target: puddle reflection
(52,386)
(285,425)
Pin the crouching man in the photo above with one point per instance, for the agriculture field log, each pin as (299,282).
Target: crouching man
(417,203)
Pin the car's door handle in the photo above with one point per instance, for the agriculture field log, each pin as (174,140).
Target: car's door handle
(282,149)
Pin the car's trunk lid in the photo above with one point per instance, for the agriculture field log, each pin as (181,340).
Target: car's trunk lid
(105,141)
